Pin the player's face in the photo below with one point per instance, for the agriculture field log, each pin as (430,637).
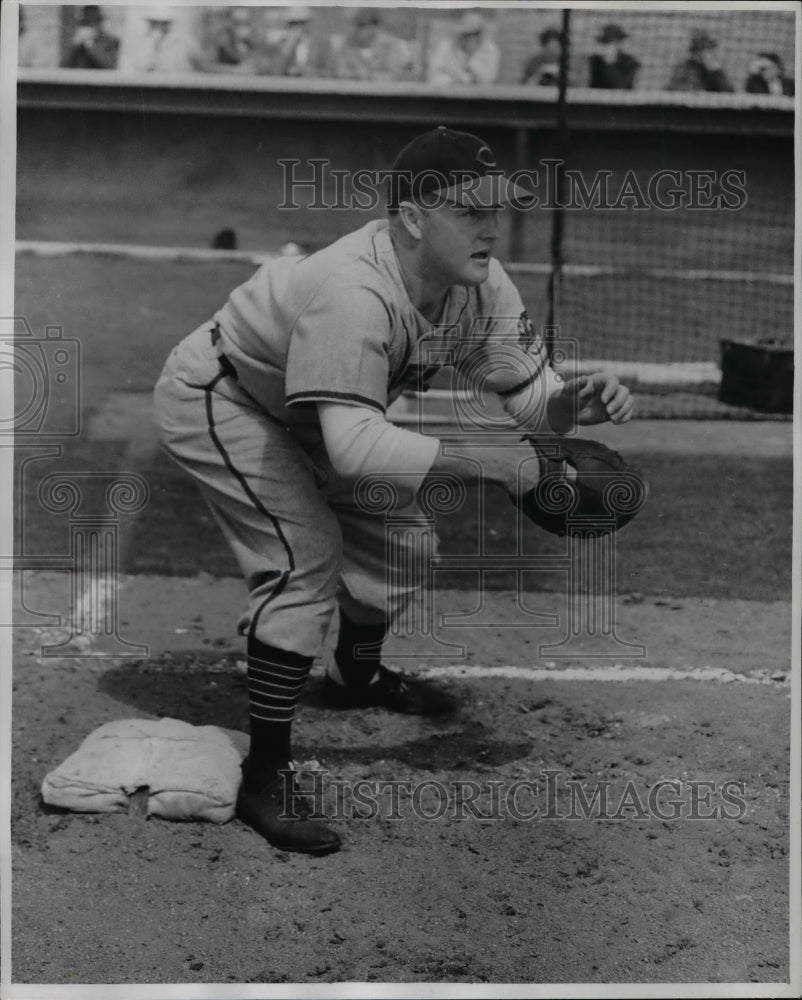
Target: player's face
(457,243)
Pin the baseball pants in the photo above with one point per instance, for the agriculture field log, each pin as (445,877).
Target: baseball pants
(301,539)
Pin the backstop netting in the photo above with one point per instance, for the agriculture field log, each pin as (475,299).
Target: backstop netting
(681,236)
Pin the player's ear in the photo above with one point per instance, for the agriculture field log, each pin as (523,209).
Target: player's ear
(411,216)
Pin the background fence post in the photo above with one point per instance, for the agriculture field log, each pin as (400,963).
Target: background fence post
(557,226)
(518,220)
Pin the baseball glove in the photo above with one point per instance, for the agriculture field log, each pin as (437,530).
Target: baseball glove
(605,494)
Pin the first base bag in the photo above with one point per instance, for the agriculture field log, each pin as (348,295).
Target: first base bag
(189,772)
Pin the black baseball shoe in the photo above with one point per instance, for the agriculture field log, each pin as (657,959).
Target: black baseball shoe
(394,691)
(284,816)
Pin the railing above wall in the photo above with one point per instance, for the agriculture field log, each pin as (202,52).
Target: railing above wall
(351,100)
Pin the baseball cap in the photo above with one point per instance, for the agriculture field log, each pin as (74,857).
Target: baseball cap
(447,165)
(471,23)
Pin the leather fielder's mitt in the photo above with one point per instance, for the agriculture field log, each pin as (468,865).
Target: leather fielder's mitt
(606,493)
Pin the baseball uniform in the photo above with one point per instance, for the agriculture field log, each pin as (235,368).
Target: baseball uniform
(277,407)
(237,405)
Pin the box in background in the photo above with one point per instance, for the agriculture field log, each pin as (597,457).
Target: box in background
(758,374)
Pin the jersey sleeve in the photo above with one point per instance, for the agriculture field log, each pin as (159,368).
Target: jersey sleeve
(339,349)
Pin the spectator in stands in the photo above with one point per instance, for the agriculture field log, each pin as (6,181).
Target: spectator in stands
(291,50)
(610,67)
(31,51)
(702,69)
(165,44)
(767,76)
(369,52)
(92,46)
(231,41)
(543,68)
(467,56)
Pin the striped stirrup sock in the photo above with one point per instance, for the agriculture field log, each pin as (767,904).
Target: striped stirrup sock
(275,680)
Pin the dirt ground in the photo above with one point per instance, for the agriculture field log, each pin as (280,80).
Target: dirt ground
(498,897)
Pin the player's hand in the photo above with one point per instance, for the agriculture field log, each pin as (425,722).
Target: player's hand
(598,398)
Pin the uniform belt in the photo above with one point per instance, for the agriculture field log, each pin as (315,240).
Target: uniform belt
(225,362)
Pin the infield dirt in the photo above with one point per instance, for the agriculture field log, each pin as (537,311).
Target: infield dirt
(108,898)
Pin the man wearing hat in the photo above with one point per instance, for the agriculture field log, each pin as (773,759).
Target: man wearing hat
(92,46)
(702,70)
(161,40)
(369,52)
(278,408)
(767,76)
(543,67)
(468,55)
(610,67)
(229,36)
(291,50)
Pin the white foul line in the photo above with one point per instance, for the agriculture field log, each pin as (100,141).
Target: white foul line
(58,248)
(615,673)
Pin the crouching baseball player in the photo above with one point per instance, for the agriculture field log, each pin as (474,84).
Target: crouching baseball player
(277,408)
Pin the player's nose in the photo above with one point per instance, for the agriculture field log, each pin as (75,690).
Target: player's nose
(491,228)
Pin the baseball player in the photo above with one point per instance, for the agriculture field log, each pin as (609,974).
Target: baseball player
(277,407)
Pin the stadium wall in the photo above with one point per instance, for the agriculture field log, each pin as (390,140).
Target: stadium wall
(172,179)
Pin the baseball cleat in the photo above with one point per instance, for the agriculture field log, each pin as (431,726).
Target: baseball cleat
(394,691)
(285,820)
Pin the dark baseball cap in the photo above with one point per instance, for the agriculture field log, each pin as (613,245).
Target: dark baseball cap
(444,165)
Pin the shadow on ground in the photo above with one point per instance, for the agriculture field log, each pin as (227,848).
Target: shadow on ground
(203,689)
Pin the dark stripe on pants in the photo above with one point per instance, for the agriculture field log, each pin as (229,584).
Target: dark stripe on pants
(254,499)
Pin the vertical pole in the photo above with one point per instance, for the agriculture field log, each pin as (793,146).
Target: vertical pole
(558,210)
(518,217)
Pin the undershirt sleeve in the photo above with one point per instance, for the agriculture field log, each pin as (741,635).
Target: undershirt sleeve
(513,346)
(359,441)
